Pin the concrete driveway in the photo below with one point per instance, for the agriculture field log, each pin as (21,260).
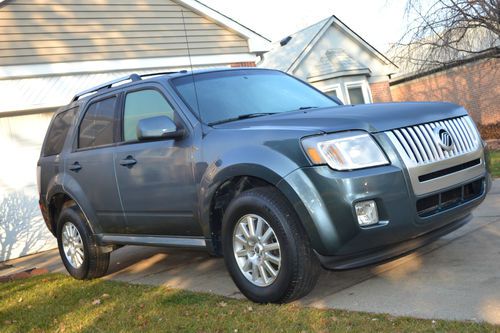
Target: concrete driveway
(457,277)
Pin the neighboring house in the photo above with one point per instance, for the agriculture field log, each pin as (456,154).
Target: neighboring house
(336,60)
(52,49)
(472,81)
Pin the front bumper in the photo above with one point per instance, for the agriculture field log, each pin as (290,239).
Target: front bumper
(324,200)
(390,251)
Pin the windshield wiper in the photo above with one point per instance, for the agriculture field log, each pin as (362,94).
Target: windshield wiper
(240,117)
(303,108)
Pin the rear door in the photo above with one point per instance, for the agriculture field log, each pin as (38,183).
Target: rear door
(155,178)
(91,165)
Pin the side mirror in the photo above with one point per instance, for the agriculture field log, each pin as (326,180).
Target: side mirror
(160,127)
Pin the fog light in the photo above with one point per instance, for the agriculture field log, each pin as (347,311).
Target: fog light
(366,212)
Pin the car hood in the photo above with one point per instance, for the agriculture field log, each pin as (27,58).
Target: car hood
(369,117)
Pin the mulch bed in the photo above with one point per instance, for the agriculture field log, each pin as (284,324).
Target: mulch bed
(23,275)
(493,144)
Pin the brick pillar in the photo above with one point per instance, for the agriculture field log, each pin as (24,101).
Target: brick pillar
(381,92)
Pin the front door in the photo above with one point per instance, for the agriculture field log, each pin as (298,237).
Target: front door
(155,178)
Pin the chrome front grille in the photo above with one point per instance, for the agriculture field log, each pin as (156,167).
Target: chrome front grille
(419,144)
(433,165)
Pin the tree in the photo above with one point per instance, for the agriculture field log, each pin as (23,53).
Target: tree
(444,31)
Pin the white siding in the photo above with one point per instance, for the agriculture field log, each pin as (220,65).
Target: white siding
(49,31)
(336,38)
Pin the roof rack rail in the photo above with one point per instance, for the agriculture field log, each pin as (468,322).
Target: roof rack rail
(131,77)
(107,85)
(162,73)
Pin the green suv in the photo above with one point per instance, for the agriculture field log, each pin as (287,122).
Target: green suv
(258,167)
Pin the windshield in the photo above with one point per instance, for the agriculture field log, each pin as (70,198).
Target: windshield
(231,95)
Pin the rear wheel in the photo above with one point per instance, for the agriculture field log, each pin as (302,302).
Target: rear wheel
(265,248)
(80,253)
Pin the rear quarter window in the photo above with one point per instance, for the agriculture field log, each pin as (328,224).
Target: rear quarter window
(58,130)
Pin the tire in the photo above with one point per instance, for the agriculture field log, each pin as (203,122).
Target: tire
(94,262)
(298,268)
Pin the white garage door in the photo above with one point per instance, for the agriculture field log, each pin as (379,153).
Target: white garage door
(22,230)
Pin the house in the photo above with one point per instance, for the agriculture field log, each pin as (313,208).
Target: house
(336,60)
(52,49)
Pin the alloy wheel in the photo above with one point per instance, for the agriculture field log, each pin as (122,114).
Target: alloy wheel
(257,250)
(72,245)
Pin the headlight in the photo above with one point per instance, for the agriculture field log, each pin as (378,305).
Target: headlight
(344,151)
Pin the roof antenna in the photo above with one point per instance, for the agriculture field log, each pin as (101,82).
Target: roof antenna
(191,66)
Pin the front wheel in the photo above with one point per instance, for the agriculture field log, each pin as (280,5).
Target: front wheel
(265,248)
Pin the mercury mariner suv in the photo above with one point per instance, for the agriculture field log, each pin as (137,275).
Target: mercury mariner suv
(258,167)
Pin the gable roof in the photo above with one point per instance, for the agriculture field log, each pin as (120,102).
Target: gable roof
(53,48)
(257,42)
(283,57)
(288,57)
(52,37)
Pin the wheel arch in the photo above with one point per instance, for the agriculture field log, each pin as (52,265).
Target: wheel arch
(59,200)
(225,192)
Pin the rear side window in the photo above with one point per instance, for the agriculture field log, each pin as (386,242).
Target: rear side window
(99,124)
(141,105)
(57,132)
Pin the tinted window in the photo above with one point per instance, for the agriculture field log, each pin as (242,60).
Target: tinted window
(229,94)
(141,105)
(57,132)
(99,125)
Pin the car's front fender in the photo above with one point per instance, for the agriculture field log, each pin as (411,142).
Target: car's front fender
(259,162)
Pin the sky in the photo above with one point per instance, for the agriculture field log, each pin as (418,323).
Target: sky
(379,22)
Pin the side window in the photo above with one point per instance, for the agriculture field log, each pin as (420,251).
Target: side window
(99,124)
(141,105)
(57,132)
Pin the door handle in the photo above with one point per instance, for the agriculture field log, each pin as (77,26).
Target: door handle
(75,167)
(128,162)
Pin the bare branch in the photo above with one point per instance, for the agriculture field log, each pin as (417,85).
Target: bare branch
(444,31)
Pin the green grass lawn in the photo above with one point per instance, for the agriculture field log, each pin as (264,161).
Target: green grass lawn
(495,163)
(58,303)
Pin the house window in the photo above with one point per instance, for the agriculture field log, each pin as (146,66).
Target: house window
(358,92)
(334,91)
(356,95)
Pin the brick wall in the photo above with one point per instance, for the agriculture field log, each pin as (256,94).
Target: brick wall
(475,85)
(243,64)
(381,92)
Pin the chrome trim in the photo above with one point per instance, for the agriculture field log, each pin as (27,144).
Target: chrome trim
(151,240)
(422,153)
